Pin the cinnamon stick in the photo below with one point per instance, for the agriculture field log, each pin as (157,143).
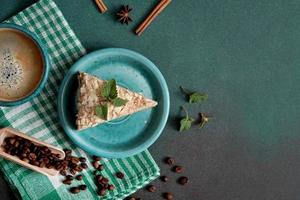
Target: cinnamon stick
(102,7)
(154,13)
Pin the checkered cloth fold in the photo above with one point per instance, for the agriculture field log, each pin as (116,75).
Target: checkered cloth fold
(38,118)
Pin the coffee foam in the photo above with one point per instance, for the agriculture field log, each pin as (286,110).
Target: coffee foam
(21,65)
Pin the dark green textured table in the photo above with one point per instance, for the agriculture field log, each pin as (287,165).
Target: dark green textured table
(246,55)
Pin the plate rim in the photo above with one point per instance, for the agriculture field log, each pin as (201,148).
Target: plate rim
(157,132)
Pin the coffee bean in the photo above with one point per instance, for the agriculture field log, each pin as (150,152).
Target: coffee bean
(67,182)
(72,171)
(42,164)
(67,151)
(82,159)
(32,156)
(69,177)
(168,196)
(99,177)
(130,198)
(101,192)
(79,177)
(151,188)
(63,172)
(84,165)
(74,160)
(164,178)
(74,190)
(169,161)
(177,169)
(183,180)
(35,163)
(120,175)
(68,158)
(100,167)
(111,187)
(96,158)
(72,165)
(82,187)
(26,160)
(104,180)
(95,164)
(12,141)
(78,168)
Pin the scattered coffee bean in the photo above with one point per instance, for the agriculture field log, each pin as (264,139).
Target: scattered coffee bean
(99,177)
(84,165)
(120,175)
(169,161)
(100,167)
(164,178)
(177,169)
(74,160)
(79,177)
(67,151)
(82,159)
(101,192)
(96,158)
(131,198)
(111,187)
(63,172)
(67,182)
(151,188)
(74,190)
(73,171)
(183,180)
(104,180)
(168,196)
(69,177)
(95,164)
(82,187)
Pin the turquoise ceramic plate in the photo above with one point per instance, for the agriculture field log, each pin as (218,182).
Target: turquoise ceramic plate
(131,134)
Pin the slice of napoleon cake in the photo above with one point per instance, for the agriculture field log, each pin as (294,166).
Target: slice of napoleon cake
(100,101)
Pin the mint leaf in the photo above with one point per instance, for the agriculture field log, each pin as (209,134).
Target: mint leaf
(197,97)
(108,87)
(194,97)
(101,111)
(113,90)
(186,123)
(119,102)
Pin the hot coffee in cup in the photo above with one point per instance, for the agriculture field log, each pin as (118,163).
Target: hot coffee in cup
(23,65)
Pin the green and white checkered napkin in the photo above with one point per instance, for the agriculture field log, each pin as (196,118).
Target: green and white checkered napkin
(39,119)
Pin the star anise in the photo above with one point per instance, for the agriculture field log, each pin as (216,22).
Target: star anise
(123,14)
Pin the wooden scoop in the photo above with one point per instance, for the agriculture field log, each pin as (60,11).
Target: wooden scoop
(9,132)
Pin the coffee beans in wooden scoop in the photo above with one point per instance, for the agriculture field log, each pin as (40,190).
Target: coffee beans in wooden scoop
(40,156)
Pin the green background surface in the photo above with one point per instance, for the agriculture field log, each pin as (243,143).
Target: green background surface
(246,55)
